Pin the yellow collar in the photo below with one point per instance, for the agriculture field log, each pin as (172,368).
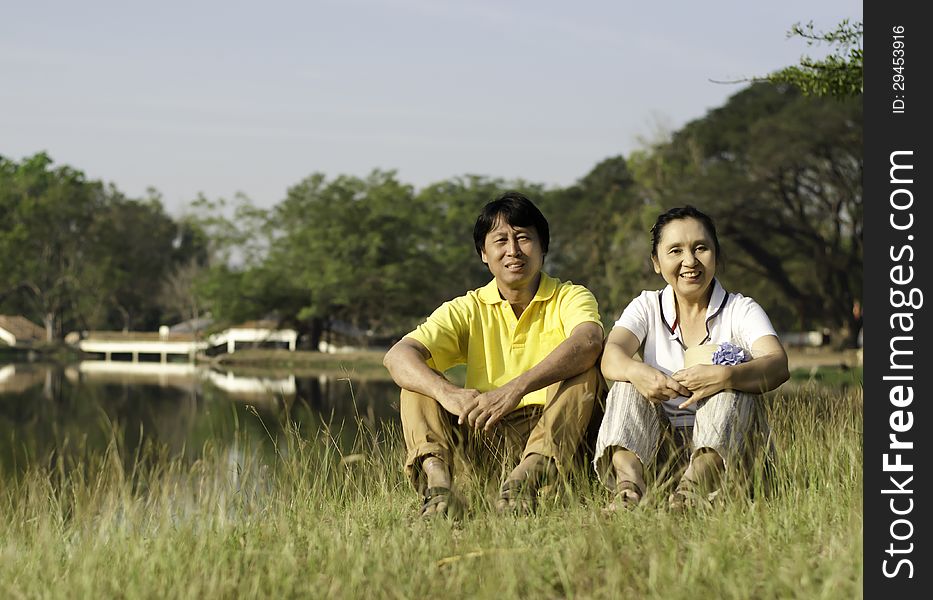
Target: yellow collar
(489,293)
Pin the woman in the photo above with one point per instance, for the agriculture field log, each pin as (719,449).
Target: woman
(713,408)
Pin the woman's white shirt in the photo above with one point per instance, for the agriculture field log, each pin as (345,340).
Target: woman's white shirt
(652,318)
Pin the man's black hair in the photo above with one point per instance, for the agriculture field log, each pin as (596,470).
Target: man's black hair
(518,211)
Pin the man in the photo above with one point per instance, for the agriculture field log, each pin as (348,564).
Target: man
(530,344)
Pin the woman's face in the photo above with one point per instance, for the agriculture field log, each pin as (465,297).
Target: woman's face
(686,258)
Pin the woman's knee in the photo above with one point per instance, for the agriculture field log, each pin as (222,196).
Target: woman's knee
(728,404)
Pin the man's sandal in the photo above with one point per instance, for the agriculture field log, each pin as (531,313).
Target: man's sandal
(517,497)
(437,495)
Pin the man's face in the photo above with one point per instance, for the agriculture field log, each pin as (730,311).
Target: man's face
(513,254)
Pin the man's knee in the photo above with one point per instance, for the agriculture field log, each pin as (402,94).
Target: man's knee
(590,382)
(410,397)
(418,411)
(414,403)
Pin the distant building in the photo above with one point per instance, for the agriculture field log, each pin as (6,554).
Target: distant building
(255,334)
(175,344)
(139,346)
(20,332)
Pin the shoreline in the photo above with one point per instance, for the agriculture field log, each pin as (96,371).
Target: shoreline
(368,363)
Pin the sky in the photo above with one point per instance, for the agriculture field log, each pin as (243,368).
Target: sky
(221,97)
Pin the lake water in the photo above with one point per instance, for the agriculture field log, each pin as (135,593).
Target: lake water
(47,411)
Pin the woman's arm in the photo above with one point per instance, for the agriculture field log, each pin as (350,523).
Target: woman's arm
(618,365)
(766,371)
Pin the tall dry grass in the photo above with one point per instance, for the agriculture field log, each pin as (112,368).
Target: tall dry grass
(315,521)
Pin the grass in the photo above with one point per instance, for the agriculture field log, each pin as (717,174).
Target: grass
(320,522)
(829,375)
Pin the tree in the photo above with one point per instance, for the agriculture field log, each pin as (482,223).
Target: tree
(349,249)
(237,281)
(178,293)
(74,252)
(354,245)
(840,74)
(45,254)
(135,246)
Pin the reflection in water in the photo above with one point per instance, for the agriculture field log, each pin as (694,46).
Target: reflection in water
(48,413)
(20,378)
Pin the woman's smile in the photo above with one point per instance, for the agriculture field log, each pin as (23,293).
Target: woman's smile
(686,258)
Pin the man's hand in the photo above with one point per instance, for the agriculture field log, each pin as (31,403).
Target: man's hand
(571,357)
(485,410)
(703,381)
(655,385)
(456,400)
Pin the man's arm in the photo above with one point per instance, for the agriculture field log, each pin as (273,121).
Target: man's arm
(406,362)
(571,357)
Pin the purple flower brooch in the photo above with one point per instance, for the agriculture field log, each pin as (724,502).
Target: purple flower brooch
(729,354)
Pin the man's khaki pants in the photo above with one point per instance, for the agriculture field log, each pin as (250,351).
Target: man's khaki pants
(553,430)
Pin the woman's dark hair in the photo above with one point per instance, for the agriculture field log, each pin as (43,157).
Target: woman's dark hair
(518,211)
(684,212)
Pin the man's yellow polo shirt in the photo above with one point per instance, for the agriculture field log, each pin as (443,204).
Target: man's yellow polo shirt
(481,330)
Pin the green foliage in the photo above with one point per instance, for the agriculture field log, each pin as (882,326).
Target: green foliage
(239,283)
(44,257)
(839,74)
(74,253)
(352,244)
(447,232)
(134,250)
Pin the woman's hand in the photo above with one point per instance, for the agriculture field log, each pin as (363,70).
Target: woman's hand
(655,385)
(618,365)
(702,381)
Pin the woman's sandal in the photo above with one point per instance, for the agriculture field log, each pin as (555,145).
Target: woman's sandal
(687,497)
(627,496)
(436,495)
(522,493)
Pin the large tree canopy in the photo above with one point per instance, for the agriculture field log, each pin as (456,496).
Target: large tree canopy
(77,254)
(599,237)
(44,252)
